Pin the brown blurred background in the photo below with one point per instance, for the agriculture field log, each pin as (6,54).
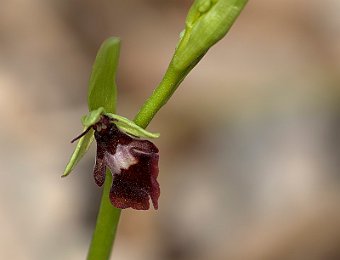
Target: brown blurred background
(249,146)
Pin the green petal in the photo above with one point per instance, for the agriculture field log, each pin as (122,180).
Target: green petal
(130,127)
(102,87)
(81,148)
(93,117)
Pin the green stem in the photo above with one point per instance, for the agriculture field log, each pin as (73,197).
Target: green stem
(106,226)
(160,96)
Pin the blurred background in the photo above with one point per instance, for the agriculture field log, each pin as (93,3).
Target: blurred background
(249,165)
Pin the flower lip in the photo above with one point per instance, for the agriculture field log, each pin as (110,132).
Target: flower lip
(133,164)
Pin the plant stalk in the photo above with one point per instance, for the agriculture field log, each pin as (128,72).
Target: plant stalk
(106,226)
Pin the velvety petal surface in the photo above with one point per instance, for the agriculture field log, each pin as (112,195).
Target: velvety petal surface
(133,163)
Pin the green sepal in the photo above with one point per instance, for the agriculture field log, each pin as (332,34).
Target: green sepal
(130,127)
(102,94)
(81,148)
(102,86)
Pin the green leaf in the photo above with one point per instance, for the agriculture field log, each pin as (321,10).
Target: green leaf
(102,87)
(81,148)
(130,127)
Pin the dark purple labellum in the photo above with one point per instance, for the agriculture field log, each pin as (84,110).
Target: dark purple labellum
(133,163)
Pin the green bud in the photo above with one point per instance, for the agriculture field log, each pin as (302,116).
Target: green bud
(207,22)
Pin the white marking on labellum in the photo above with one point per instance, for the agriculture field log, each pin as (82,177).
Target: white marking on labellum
(121,160)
